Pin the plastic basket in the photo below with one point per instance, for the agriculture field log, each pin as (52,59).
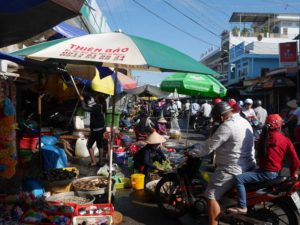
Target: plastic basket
(107,209)
(122,183)
(91,219)
(61,184)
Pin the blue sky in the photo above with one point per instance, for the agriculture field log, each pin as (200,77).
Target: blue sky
(210,19)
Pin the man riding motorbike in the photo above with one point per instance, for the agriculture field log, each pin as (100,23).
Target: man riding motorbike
(233,144)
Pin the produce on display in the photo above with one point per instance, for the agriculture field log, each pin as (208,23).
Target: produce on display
(164,166)
(58,174)
(91,184)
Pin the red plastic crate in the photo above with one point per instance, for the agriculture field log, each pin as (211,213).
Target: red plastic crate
(29,143)
(109,209)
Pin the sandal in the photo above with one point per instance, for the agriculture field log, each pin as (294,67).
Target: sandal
(237,210)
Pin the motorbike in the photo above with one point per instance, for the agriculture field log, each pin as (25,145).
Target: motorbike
(202,124)
(269,202)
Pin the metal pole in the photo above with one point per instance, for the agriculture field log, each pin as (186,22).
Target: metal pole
(112,137)
(298,89)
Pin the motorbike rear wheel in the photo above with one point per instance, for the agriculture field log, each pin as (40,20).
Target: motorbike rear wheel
(169,197)
(277,213)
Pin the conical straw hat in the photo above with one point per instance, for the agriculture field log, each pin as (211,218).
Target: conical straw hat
(162,120)
(155,138)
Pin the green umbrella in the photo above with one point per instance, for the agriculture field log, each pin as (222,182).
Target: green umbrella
(194,85)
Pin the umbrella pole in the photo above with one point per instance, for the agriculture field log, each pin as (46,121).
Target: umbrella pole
(112,138)
(75,86)
(76,106)
(188,126)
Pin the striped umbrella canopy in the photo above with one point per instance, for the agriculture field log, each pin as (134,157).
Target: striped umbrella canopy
(116,50)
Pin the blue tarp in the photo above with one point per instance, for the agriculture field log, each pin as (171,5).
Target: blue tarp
(67,30)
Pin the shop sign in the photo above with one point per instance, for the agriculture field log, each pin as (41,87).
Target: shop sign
(288,54)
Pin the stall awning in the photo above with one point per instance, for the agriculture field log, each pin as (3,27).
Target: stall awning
(24,19)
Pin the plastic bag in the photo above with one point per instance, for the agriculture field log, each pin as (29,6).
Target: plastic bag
(54,157)
(81,149)
(78,123)
(104,170)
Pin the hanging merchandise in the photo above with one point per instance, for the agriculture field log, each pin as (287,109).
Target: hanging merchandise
(8,126)
(8,107)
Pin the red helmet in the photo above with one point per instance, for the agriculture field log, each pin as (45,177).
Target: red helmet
(216,100)
(274,121)
(232,102)
(235,107)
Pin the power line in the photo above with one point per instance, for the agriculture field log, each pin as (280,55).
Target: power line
(203,27)
(193,13)
(204,3)
(176,27)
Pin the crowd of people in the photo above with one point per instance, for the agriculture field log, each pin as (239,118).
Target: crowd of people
(240,156)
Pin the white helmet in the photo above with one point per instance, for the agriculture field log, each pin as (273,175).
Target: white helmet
(248,101)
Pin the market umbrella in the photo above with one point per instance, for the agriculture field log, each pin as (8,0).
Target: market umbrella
(116,50)
(147,91)
(21,19)
(106,85)
(193,85)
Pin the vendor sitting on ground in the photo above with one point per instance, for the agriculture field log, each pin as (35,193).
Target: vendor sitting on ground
(161,126)
(144,128)
(145,157)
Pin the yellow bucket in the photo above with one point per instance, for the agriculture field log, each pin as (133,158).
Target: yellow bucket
(138,181)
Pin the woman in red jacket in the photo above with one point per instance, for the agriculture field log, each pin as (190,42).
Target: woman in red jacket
(271,150)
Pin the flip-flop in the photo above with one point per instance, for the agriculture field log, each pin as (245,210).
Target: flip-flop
(236,210)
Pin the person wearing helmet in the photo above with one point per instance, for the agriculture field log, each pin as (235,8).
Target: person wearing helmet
(97,127)
(216,101)
(247,110)
(233,143)
(260,112)
(235,107)
(272,148)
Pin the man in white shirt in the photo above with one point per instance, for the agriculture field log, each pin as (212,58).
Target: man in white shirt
(206,109)
(260,112)
(195,108)
(233,143)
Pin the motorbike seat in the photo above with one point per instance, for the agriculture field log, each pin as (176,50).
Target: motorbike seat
(265,184)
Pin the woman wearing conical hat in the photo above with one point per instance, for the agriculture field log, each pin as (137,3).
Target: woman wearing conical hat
(144,158)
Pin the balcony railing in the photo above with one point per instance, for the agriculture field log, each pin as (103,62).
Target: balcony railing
(264,35)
